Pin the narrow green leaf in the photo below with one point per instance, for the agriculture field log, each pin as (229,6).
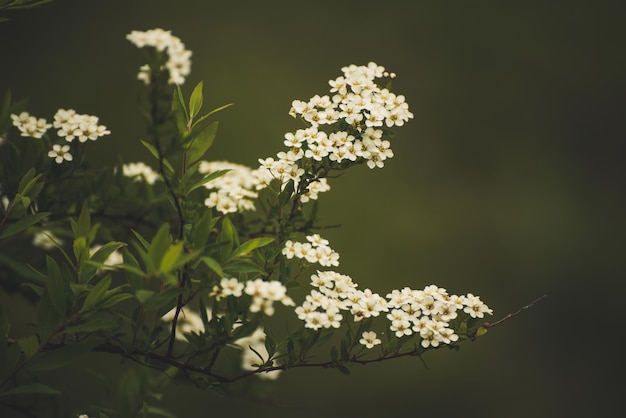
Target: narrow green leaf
(134,275)
(243,267)
(96,294)
(115,300)
(22,224)
(82,226)
(213,265)
(81,252)
(170,257)
(204,180)
(201,230)
(141,239)
(180,111)
(159,245)
(251,245)
(155,154)
(226,236)
(195,101)
(203,117)
(56,286)
(164,300)
(200,142)
(24,270)
(343,369)
(285,196)
(26,180)
(32,388)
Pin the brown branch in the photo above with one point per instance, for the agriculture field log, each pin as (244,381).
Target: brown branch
(511,315)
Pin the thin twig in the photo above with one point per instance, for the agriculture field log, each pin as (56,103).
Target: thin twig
(511,315)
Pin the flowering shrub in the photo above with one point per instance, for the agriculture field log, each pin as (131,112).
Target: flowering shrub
(177,261)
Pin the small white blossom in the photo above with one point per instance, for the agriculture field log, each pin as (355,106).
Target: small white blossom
(60,153)
(140,171)
(178,64)
(369,339)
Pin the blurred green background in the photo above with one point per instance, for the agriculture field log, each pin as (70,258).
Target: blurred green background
(509,182)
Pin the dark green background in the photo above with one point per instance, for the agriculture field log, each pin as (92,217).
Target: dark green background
(509,182)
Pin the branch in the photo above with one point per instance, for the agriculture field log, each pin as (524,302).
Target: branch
(511,315)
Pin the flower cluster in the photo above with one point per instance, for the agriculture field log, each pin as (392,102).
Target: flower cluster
(178,64)
(140,171)
(265,293)
(426,312)
(30,126)
(72,125)
(233,191)
(69,124)
(314,251)
(345,129)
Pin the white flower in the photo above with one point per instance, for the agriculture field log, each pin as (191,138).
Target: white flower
(60,153)
(139,171)
(369,339)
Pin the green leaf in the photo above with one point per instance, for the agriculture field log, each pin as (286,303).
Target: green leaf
(134,275)
(202,230)
(213,265)
(226,236)
(203,117)
(204,180)
(56,286)
(97,293)
(171,256)
(164,300)
(159,245)
(115,300)
(250,245)
(81,252)
(143,295)
(243,267)
(343,369)
(28,185)
(195,101)
(22,224)
(32,388)
(144,243)
(24,270)
(200,142)
(29,345)
(82,226)
(285,196)
(155,154)
(180,111)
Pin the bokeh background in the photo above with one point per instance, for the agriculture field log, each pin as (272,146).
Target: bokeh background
(509,182)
